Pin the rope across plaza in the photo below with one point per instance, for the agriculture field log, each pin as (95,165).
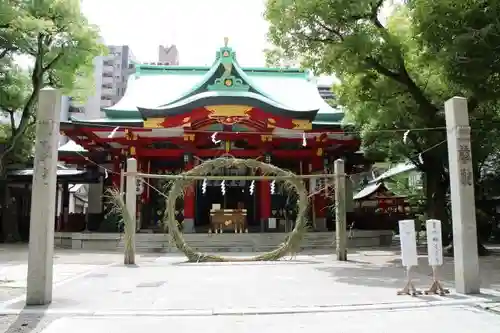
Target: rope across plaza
(293,186)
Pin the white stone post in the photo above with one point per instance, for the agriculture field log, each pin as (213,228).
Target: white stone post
(131,205)
(43,199)
(340,210)
(467,280)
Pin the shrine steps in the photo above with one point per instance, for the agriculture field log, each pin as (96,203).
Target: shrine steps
(251,242)
(229,242)
(226,242)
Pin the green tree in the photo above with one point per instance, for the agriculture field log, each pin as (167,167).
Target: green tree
(59,43)
(389,78)
(275,57)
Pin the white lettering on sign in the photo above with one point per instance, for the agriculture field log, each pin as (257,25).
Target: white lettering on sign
(434,242)
(408,240)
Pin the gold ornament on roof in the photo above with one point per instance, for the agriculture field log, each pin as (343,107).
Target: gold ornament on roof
(226,41)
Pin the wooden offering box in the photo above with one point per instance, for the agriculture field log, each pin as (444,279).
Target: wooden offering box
(228,220)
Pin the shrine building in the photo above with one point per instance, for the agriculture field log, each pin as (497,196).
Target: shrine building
(174,117)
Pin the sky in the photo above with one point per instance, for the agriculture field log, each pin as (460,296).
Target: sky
(197,27)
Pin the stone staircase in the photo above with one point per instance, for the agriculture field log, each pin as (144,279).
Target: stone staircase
(228,242)
(246,242)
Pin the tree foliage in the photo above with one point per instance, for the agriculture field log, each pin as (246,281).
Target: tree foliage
(397,66)
(59,45)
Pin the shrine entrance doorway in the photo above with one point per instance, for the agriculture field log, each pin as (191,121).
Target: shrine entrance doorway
(210,199)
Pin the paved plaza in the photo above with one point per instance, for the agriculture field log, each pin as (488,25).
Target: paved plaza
(94,292)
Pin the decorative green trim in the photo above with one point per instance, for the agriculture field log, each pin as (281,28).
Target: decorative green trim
(123,114)
(329,117)
(215,127)
(108,120)
(275,70)
(241,128)
(165,70)
(228,83)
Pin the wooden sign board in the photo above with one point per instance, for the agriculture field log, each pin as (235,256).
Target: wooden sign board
(434,242)
(408,240)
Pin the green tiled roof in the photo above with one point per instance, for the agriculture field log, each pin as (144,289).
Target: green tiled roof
(155,87)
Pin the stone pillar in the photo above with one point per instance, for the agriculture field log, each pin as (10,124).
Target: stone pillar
(43,196)
(131,205)
(189,202)
(340,211)
(467,279)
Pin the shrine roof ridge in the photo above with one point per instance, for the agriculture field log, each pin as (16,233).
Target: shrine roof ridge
(159,69)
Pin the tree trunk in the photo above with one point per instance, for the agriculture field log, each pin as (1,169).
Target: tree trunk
(439,207)
(435,191)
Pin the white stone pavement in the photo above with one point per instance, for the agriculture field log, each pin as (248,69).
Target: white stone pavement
(94,292)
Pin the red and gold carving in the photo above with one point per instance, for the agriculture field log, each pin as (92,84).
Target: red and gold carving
(167,122)
(271,123)
(229,114)
(131,136)
(301,124)
(189,137)
(153,123)
(266,138)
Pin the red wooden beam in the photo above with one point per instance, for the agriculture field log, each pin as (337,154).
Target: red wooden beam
(243,153)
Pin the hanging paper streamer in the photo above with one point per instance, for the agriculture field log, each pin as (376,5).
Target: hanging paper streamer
(420,159)
(105,173)
(214,138)
(405,137)
(223,187)
(113,132)
(204,186)
(252,187)
(273,186)
(304,141)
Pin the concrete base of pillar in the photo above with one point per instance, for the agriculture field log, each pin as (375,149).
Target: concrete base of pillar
(320,223)
(188,226)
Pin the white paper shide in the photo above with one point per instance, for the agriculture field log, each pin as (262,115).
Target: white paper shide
(408,240)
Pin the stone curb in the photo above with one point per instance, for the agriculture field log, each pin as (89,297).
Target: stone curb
(405,305)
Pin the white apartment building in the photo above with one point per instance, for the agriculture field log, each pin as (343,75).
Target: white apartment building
(168,55)
(111,74)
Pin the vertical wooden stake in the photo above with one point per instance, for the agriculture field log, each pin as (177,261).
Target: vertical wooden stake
(131,202)
(340,211)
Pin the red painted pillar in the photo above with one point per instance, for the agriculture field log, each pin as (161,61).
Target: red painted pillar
(189,202)
(265,203)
